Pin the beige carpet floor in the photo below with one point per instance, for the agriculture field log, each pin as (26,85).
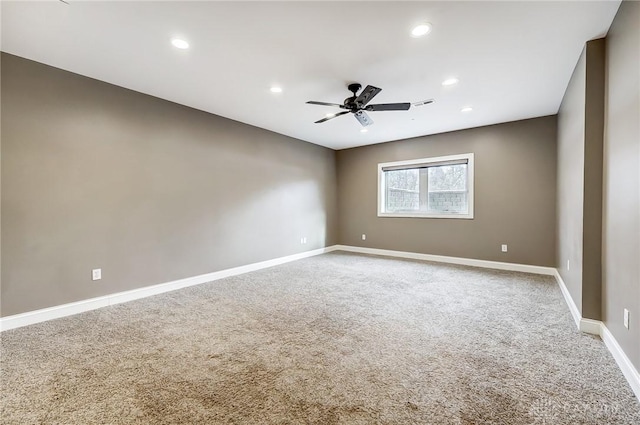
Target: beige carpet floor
(333,339)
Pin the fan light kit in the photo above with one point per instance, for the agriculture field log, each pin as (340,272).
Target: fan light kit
(179,43)
(358,104)
(420,30)
(450,81)
(363,130)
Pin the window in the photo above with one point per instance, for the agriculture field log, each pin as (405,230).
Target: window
(439,187)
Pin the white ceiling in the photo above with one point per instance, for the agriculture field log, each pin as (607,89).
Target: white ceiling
(513,59)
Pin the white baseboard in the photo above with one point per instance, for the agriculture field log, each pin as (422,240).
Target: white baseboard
(451,260)
(625,365)
(590,326)
(37,316)
(573,308)
(586,325)
(596,327)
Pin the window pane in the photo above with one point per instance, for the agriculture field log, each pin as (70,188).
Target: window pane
(402,190)
(448,177)
(448,189)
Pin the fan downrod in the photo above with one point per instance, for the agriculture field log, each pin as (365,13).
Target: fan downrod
(350,101)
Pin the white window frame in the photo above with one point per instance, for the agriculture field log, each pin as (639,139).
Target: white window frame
(426,162)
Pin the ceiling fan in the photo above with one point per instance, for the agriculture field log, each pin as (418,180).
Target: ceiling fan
(358,104)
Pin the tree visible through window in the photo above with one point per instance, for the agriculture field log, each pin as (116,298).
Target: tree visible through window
(448,177)
(427,187)
(447,189)
(403,192)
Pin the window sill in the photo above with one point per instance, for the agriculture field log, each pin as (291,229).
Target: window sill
(418,215)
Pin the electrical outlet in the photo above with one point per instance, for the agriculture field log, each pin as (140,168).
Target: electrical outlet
(626,318)
(504,247)
(568,268)
(364,237)
(96,274)
(303,240)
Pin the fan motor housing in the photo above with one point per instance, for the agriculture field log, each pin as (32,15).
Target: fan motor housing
(350,102)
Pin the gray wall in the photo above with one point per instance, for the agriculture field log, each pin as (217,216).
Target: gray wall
(621,286)
(570,182)
(97,176)
(579,214)
(515,195)
(592,209)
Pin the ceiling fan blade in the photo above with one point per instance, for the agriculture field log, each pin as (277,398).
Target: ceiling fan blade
(313,102)
(363,118)
(367,94)
(388,107)
(331,117)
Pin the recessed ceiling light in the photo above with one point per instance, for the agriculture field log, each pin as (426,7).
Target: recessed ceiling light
(179,43)
(420,30)
(363,130)
(466,109)
(276,89)
(450,81)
